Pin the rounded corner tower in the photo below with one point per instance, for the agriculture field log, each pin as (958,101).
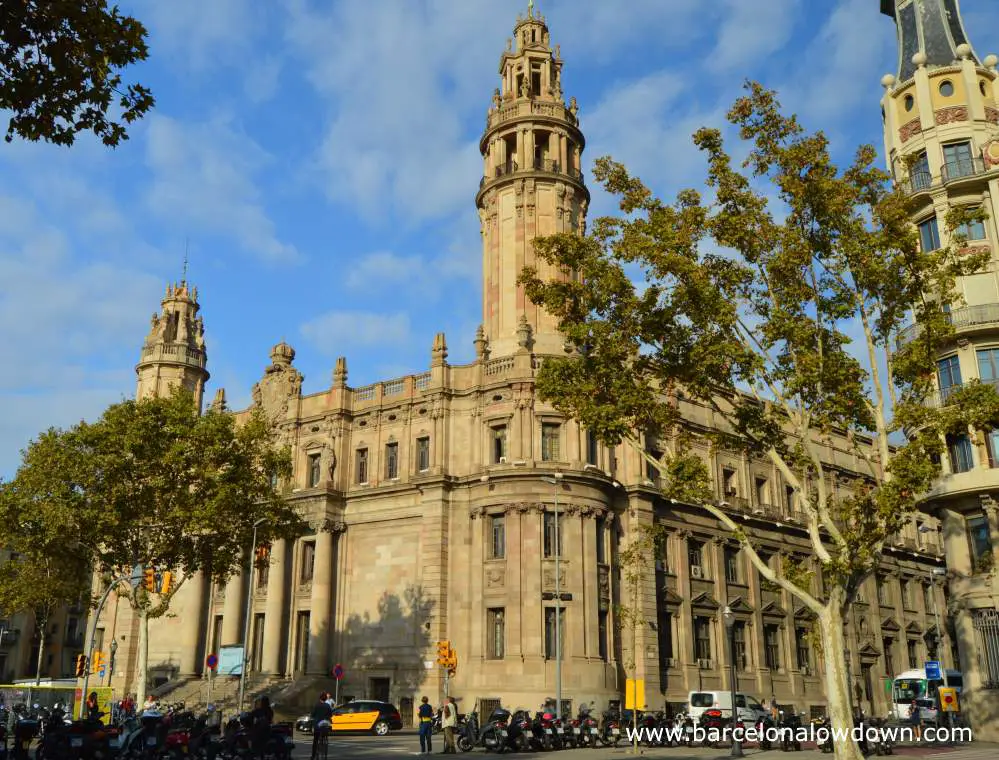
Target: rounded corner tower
(532,184)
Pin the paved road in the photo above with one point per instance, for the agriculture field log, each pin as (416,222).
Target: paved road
(405,743)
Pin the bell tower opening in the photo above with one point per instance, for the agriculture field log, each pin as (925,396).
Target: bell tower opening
(531,186)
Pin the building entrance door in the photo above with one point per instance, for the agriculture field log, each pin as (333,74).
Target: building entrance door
(379,689)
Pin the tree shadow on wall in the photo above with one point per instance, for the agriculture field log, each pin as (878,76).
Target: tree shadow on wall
(382,652)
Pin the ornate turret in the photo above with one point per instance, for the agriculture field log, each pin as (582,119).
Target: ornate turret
(174,350)
(930,27)
(532,183)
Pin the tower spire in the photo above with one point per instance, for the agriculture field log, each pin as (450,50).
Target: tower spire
(930,28)
(532,186)
(187,248)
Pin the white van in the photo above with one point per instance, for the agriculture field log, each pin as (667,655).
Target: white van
(750,710)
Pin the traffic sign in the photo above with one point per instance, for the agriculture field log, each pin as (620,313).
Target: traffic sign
(948,699)
(933,671)
(212,661)
(338,671)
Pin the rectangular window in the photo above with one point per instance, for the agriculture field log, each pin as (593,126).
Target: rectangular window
(979,539)
(789,498)
(550,433)
(728,483)
(308,565)
(695,553)
(771,646)
(550,652)
(361,457)
(553,543)
(495,633)
(927,597)
(762,492)
(906,594)
(314,470)
(217,642)
(959,448)
(422,454)
(948,375)
(739,645)
(802,648)
(958,161)
(883,596)
(499,443)
(592,448)
(651,471)
(601,549)
(920,176)
(889,646)
(702,638)
(988,364)
(732,574)
(929,234)
(602,634)
(498,537)
(972,230)
(391,461)
(912,653)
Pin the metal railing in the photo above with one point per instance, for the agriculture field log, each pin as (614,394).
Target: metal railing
(921,180)
(962,167)
(967,316)
(544,165)
(986,625)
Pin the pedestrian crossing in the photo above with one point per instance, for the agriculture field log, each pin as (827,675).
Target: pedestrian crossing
(979,752)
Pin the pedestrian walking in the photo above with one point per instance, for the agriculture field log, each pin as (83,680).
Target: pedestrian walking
(449,719)
(426,716)
(916,719)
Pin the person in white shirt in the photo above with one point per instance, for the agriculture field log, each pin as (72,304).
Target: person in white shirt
(449,719)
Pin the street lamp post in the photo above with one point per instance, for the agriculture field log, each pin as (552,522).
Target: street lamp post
(246,618)
(113,648)
(558,599)
(729,619)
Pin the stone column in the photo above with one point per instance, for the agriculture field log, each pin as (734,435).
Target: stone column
(322,592)
(274,610)
(992,515)
(563,151)
(193,628)
(232,610)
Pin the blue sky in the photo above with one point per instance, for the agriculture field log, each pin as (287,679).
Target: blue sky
(320,161)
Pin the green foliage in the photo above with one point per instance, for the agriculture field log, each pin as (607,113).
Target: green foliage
(59,62)
(763,315)
(153,483)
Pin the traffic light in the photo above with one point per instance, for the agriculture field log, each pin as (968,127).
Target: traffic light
(98,664)
(452,662)
(149,577)
(81,665)
(443,653)
(263,555)
(166,580)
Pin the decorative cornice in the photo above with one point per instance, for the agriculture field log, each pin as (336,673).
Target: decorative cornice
(951,114)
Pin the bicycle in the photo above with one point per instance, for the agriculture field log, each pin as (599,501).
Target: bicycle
(320,744)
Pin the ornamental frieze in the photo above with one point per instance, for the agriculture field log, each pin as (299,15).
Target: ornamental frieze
(495,577)
(992,115)
(909,129)
(951,114)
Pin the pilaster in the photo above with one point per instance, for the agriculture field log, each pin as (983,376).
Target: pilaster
(274,613)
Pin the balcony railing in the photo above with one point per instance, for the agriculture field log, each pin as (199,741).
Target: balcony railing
(917,181)
(543,165)
(942,397)
(964,167)
(968,316)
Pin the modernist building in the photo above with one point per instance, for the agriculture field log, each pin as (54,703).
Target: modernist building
(432,518)
(941,126)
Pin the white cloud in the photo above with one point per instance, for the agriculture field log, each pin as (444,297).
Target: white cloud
(199,35)
(336,332)
(262,77)
(204,176)
(751,31)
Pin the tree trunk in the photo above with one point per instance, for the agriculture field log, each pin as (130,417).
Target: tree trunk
(40,625)
(837,684)
(142,664)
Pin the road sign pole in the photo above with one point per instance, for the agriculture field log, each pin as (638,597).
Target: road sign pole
(336,692)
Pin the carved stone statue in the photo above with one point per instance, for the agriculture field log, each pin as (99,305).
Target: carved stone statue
(331,465)
(525,87)
(496,97)
(509,44)
(573,107)
(558,51)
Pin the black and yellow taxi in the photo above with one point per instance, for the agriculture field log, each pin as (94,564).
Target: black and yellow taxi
(368,716)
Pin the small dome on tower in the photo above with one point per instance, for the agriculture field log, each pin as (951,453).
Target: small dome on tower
(282,353)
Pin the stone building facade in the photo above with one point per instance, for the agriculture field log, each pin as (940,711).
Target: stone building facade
(433,501)
(941,113)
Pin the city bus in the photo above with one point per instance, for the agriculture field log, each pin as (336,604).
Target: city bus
(913,684)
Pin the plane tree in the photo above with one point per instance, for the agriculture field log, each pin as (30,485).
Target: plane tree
(60,70)
(156,486)
(774,299)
